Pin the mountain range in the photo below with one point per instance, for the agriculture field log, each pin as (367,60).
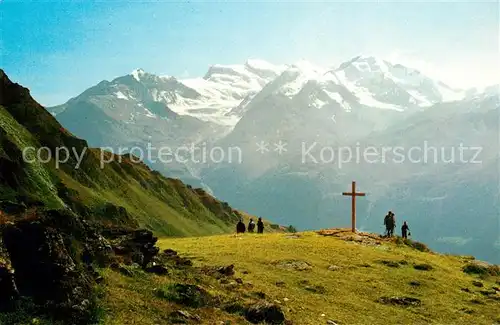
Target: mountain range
(275,140)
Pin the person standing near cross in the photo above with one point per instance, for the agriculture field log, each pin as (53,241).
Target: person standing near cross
(353,195)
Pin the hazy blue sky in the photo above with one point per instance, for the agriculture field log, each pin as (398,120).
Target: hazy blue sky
(58,49)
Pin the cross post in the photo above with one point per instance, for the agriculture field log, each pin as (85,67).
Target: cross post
(353,195)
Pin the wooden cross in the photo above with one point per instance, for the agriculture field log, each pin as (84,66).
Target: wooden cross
(353,195)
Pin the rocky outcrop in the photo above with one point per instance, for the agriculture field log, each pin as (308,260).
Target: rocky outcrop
(135,246)
(52,256)
(46,271)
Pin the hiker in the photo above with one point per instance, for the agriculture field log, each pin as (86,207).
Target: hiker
(404,230)
(251,225)
(392,223)
(260,226)
(388,223)
(240,227)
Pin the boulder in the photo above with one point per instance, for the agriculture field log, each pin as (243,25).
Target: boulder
(226,270)
(481,268)
(265,313)
(171,257)
(423,267)
(182,315)
(157,269)
(189,295)
(235,308)
(170,252)
(294,265)
(400,301)
(259,294)
(388,263)
(139,245)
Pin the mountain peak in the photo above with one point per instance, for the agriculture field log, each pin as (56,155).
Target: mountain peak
(137,74)
(366,62)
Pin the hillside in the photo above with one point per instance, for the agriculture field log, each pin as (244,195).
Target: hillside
(311,279)
(121,192)
(68,212)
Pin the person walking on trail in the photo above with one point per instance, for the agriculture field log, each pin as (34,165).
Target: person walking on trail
(404,230)
(240,227)
(260,226)
(251,225)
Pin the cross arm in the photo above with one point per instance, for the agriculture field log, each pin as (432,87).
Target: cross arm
(353,194)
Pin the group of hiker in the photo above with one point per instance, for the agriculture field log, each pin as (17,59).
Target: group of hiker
(241,228)
(390,225)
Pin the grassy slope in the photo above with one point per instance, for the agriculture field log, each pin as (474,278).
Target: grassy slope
(351,292)
(165,211)
(166,206)
(37,178)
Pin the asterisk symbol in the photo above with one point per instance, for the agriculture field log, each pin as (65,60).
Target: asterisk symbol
(262,147)
(280,147)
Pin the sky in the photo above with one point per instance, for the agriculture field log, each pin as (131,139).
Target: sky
(59,48)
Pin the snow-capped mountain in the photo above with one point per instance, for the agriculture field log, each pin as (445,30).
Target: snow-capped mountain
(387,82)
(208,98)
(364,81)
(223,94)
(223,88)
